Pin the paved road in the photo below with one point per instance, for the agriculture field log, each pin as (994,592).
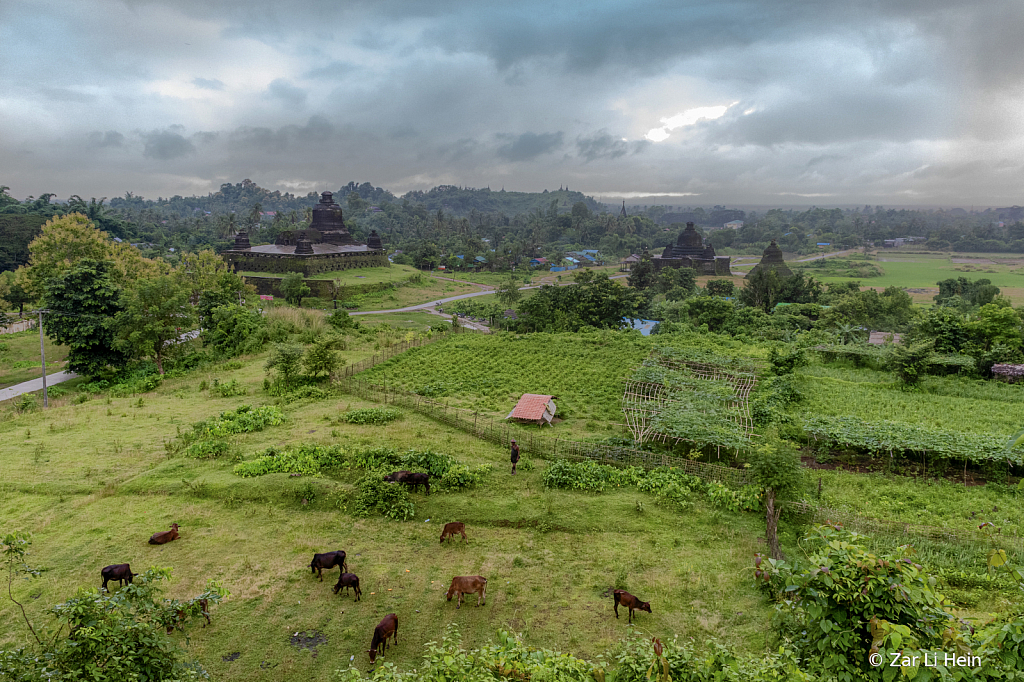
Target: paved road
(34,385)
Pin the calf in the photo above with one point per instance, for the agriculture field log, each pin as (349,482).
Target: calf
(118,572)
(166,536)
(468,584)
(450,529)
(630,602)
(348,580)
(179,615)
(328,560)
(387,627)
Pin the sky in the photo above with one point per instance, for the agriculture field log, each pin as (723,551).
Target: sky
(788,102)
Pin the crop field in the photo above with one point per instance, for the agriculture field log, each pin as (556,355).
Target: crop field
(410,294)
(20,361)
(93,481)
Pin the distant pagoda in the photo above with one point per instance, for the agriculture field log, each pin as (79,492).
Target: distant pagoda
(772,259)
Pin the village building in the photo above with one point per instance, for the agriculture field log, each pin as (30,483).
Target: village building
(690,251)
(325,246)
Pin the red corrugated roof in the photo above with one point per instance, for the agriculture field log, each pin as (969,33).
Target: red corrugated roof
(531,406)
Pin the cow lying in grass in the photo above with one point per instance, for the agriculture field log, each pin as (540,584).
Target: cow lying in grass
(468,584)
(629,601)
(163,537)
(328,560)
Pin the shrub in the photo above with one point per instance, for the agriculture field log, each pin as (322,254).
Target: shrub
(307,458)
(244,419)
(286,358)
(229,389)
(307,393)
(207,449)
(376,416)
(585,475)
(376,496)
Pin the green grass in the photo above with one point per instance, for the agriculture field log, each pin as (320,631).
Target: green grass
(394,273)
(20,360)
(871,402)
(93,481)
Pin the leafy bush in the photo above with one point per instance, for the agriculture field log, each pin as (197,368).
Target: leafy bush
(509,659)
(244,419)
(307,459)
(636,659)
(229,389)
(376,496)
(585,475)
(208,449)
(377,416)
(307,393)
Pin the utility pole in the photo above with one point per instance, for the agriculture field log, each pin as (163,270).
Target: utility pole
(42,354)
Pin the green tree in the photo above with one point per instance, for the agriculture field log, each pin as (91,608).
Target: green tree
(642,276)
(156,312)
(83,304)
(720,287)
(776,469)
(909,363)
(508,292)
(763,289)
(235,330)
(294,288)
(286,358)
(321,358)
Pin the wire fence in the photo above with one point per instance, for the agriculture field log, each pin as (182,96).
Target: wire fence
(899,531)
(501,432)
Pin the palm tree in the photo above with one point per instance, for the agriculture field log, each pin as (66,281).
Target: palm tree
(229,226)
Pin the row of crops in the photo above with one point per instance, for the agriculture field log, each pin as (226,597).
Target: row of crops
(858,410)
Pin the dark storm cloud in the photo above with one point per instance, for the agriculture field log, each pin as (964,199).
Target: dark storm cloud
(111,138)
(284,139)
(601,145)
(164,145)
(838,97)
(207,83)
(528,146)
(285,91)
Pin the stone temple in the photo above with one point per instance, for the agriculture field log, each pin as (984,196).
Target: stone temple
(771,259)
(325,246)
(690,251)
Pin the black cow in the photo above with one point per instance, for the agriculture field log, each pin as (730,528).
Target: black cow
(328,560)
(348,580)
(410,479)
(118,572)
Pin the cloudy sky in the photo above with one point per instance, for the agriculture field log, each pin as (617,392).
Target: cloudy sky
(895,102)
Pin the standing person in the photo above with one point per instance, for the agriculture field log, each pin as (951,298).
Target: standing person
(515,455)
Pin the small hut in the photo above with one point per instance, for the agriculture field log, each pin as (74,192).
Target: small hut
(534,408)
(882,338)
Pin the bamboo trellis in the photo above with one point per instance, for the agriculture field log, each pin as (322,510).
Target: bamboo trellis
(643,401)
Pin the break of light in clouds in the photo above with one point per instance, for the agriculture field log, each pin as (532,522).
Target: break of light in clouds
(687,118)
(847,101)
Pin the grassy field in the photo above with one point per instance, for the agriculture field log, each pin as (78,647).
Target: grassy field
(20,361)
(93,481)
(394,273)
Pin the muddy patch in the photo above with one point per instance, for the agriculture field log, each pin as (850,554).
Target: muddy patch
(308,640)
(232,656)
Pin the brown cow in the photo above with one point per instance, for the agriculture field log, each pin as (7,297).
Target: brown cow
(118,572)
(179,615)
(450,529)
(387,627)
(468,584)
(328,560)
(631,602)
(348,580)
(166,536)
